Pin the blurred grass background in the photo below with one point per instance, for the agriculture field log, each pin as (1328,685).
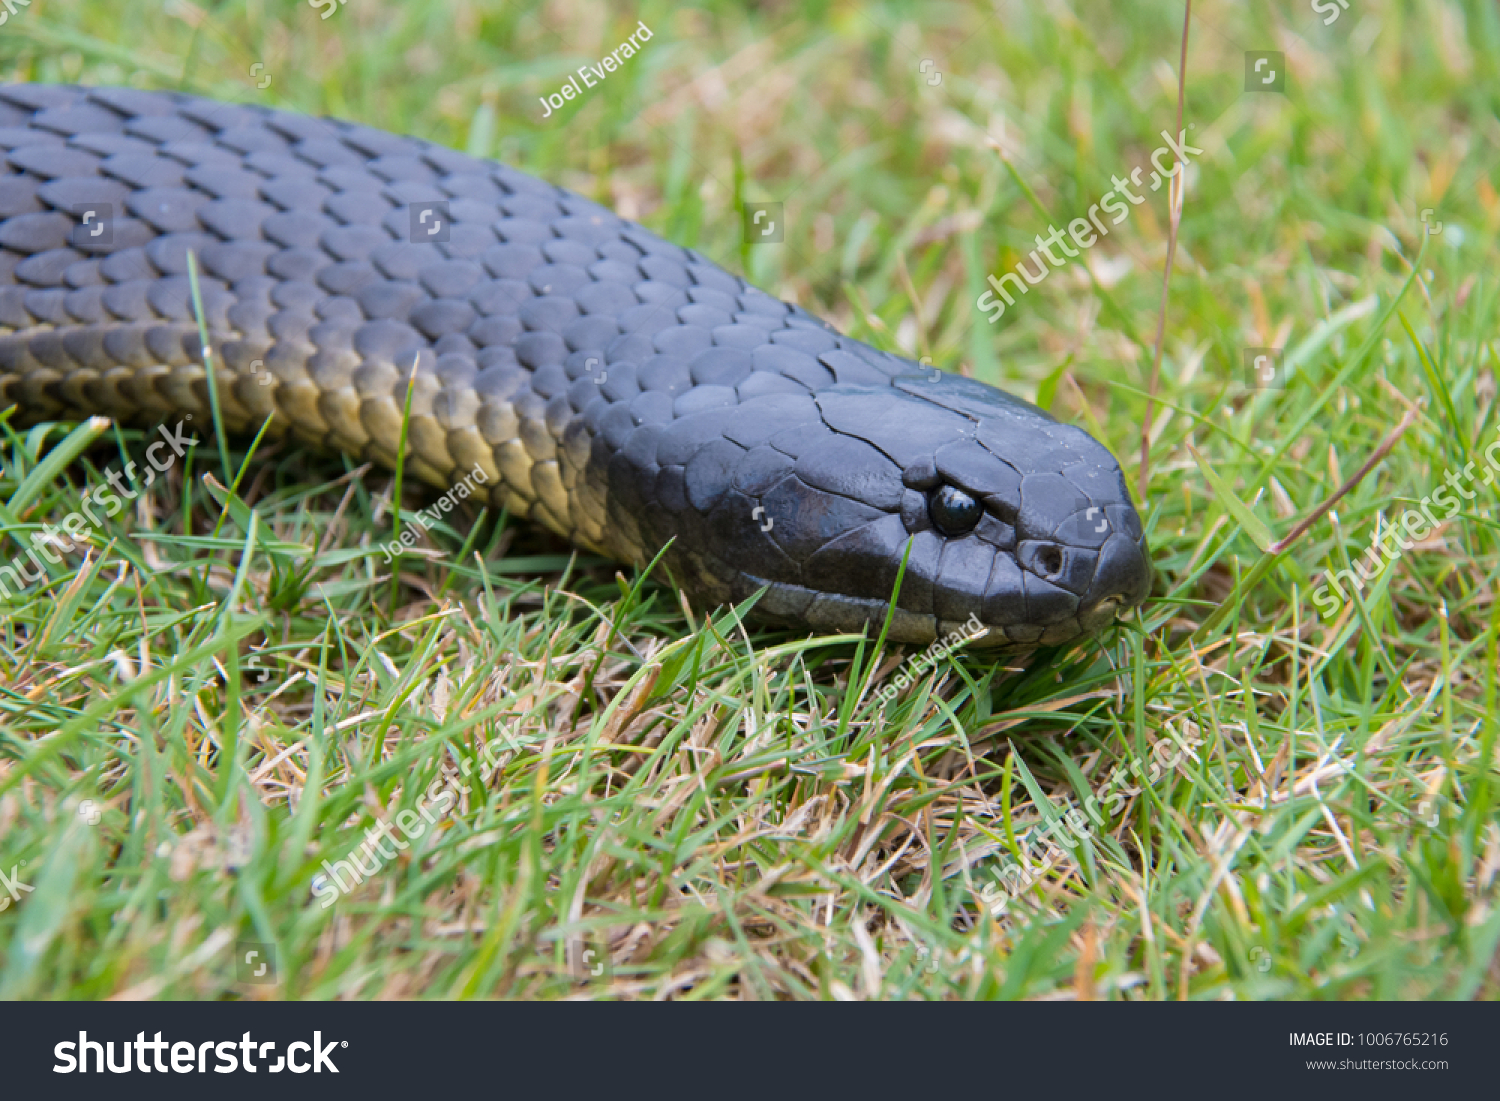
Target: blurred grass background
(718,813)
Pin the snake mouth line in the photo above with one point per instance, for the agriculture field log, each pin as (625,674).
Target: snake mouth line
(836,613)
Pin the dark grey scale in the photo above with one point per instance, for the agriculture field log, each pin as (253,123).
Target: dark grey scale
(451,278)
(764,323)
(33,233)
(545,317)
(142,171)
(49,162)
(714,299)
(590,230)
(716,280)
(467,241)
(342,276)
(497,331)
(279,165)
(853,370)
(521,231)
(659,303)
(606,297)
(802,439)
(236,260)
(129,301)
(382,299)
(744,337)
(1045,601)
(219,116)
(570,253)
(703,318)
(13,315)
(46,269)
(472,185)
(216,174)
(684,341)
(291,192)
(402,259)
(562,280)
(440,317)
(67,193)
(341,165)
(720,367)
(18,196)
(591,333)
(615,272)
(630,348)
(79,118)
(451,344)
(448,162)
(512,261)
(166,129)
(400,192)
(531,207)
(617,388)
(342,309)
(293,228)
(254,138)
(234,219)
(964,574)
(374,143)
(792,364)
(167,209)
(812,342)
(852,468)
(166,255)
(37,97)
(171,298)
(84,306)
(470,213)
(15,139)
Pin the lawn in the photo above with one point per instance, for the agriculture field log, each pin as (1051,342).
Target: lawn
(1250,789)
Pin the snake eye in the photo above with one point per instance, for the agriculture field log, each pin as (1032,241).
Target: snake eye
(953,511)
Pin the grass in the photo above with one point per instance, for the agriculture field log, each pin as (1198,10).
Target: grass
(223,695)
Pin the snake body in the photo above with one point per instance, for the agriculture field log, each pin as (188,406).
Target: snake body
(624,392)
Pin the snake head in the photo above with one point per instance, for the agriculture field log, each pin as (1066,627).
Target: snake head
(1005,517)
(1012,516)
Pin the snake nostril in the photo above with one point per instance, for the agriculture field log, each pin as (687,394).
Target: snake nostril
(1050,559)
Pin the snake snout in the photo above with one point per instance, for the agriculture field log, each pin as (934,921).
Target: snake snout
(1122,579)
(1098,554)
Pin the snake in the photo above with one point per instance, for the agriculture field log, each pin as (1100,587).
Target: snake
(624,392)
